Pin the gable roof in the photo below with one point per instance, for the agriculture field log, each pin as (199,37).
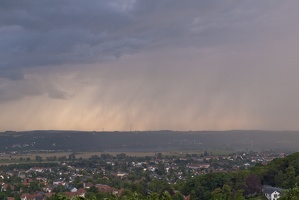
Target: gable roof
(270,190)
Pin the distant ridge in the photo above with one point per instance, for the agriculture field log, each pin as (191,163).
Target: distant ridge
(163,140)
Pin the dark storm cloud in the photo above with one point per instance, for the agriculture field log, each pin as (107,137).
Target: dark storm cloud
(42,33)
(45,33)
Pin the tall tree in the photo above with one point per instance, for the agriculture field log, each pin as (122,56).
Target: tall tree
(254,185)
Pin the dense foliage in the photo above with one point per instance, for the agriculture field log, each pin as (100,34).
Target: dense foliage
(235,185)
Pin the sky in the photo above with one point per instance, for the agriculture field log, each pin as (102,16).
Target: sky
(116,65)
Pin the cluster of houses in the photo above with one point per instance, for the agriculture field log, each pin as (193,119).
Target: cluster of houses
(169,169)
(40,176)
(46,190)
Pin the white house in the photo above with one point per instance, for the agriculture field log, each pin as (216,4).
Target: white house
(271,193)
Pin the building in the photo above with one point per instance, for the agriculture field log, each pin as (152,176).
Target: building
(271,193)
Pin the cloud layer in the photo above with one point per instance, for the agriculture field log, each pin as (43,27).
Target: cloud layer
(153,64)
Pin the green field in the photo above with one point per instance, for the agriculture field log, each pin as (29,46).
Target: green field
(31,157)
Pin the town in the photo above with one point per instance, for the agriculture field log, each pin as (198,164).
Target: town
(105,175)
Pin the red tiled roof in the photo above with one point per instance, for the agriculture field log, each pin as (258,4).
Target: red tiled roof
(28,196)
(105,188)
(71,194)
(5,186)
(49,194)
(81,190)
(86,185)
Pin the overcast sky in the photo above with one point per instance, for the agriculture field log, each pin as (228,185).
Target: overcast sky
(149,64)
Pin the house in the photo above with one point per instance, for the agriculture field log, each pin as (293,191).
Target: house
(71,188)
(79,193)
(106,188)
(49,188)
(22,175)
(271,193)
(121,175)
(59,183)
(35,196)
(87,185)
(27,196)
(49,195)
(27,181)
(37,169)
(7,186)
(198,166)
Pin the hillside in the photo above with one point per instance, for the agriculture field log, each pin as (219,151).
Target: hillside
(148,140)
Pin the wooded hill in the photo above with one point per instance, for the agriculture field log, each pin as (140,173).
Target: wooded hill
(149,140)
(281,172)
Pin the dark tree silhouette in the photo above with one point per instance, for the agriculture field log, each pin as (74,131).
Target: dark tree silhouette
(253,183)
